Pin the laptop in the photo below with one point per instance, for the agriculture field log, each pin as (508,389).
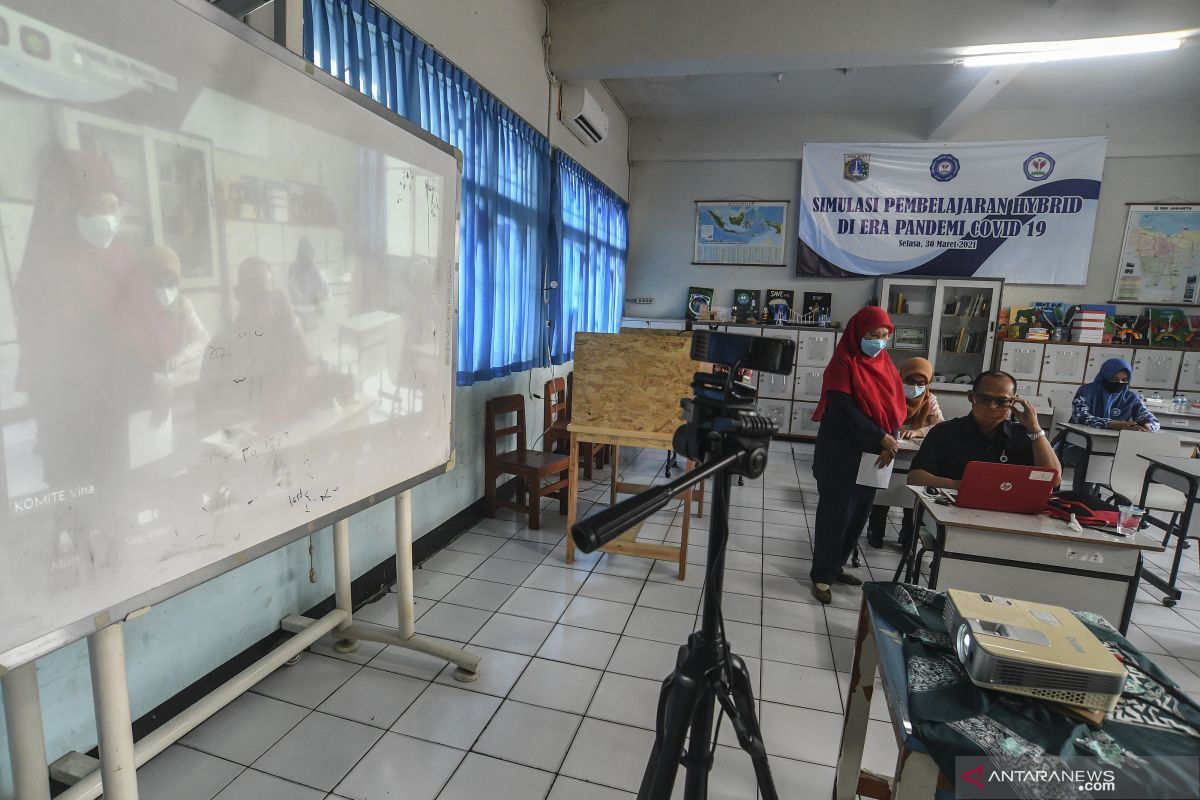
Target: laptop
(1005,487)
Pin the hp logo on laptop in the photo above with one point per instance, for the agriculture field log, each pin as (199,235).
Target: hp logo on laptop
(1006,487)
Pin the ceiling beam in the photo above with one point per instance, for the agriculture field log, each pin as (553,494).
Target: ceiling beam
(965,97)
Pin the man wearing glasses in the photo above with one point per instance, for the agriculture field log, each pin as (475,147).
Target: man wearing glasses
(988,433)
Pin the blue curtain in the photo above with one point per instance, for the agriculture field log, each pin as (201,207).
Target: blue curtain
(589,242)
(506,176)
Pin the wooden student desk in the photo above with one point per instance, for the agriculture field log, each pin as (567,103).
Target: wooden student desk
(1181,473)
(1031,557)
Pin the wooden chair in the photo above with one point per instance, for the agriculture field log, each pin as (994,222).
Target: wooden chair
(556,407)
(531,467)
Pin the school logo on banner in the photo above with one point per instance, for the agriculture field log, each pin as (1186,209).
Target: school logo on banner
(856,166)
(1038,167)
(943,168)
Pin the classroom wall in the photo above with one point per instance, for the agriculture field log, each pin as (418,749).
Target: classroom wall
(499,44)
(1153,155)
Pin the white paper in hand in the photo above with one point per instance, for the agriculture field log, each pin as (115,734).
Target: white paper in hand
(870,475)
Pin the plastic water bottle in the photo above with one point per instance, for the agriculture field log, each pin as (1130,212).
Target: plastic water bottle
(1180,403)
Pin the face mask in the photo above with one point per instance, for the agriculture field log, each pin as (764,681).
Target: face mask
(98,230)
(1114,386)
(167,296)
(913,392)
(872,347)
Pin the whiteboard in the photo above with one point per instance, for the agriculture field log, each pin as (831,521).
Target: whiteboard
(229,307)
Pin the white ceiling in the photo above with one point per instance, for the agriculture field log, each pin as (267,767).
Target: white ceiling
(691,58)
(1131,81)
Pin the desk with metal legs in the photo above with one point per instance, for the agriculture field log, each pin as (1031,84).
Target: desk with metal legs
(1097,447)
(1031,557)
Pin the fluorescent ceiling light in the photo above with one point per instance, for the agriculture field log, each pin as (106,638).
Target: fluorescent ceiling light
(1039,52)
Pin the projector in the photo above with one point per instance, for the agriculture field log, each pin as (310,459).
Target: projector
(1032,649)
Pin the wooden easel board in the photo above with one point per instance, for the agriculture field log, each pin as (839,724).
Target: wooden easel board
(631,382)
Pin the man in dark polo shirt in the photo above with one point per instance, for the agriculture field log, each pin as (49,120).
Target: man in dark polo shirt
(988,433)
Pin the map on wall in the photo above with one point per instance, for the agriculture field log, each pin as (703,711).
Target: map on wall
(1160,257)
(740,232)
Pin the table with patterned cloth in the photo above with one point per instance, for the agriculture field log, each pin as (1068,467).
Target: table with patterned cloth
(939,714)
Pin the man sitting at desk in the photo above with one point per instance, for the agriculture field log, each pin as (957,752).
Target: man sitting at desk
(988,433)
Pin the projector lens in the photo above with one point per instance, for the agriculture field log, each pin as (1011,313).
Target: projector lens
(962,642)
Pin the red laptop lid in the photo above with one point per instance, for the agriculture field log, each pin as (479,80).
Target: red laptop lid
(1005,487)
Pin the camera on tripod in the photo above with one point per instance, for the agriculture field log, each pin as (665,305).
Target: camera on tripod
(726,435)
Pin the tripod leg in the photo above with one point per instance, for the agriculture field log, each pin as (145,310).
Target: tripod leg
(739,707)
(677,702)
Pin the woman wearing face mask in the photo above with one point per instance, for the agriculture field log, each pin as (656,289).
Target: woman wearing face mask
(186,333)
(1108,402)
(862,407)
(923,413)
(92,343)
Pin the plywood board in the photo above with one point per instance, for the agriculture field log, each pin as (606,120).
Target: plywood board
(631,381)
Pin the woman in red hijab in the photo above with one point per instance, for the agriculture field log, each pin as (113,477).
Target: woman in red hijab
(862,407)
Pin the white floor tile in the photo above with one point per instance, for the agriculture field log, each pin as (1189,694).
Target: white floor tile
(570,789)
(448,621)
(475,593)
(530,735)
(481,776)
(246,728)
(797,685)
(433,585)
(513,634)
(319,751)
(498,672)
(409,662)
(749,583)
(556,579)
(254,785)
(504,570)
(180,773)
(476,543)
(612,587)
(626,700)
(536,603)
(797,647)
(801,778)
(556,685)
(421,768)
(624,566)
(449,716)
(518,550)
(374,697)
(308,682)
(670,597)
(453,562)
(662,626)
(581,646)
(601,615)
(801,733)
(793,616)
(644,658)
(624,750)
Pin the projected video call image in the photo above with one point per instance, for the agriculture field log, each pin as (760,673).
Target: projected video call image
(192,274)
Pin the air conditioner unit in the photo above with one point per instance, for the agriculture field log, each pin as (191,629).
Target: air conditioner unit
(582,114)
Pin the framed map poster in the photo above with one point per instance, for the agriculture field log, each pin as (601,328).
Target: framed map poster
(745,232)
(1160,256)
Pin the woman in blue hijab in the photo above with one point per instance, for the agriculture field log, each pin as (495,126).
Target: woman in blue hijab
(1108,402)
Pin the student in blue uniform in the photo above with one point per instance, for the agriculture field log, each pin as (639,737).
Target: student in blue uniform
(1108,402)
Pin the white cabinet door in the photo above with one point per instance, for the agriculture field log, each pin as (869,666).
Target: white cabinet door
(815,348)
(778,410)
(1156,369)
(1022,360)
(1027,388)
(802,421)
(1189,373)
(808,383)
(1098,355)
(1064,363)
(1061,395)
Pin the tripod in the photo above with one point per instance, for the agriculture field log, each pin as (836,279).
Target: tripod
(727,436)
(705,670)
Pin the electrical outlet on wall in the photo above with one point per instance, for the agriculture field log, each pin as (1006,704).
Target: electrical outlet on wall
(640,301)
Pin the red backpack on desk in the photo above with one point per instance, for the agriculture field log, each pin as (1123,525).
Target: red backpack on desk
(1089,510)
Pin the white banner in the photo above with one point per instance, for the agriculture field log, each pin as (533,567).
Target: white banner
(1023,211)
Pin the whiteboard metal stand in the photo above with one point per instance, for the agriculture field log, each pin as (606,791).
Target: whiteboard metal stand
(120,756)
(405,636)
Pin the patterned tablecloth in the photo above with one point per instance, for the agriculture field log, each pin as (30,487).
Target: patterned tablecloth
(953,717)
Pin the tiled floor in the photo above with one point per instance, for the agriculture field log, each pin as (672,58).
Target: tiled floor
(572,660)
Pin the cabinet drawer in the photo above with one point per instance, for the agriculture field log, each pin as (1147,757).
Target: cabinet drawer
(1064,363)
(1098,355)
(778,410)
(1022,360)
(1156,369)
(808,383)
(815,348)
(802,421)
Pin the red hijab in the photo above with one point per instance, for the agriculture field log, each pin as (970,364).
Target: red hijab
(874,383)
